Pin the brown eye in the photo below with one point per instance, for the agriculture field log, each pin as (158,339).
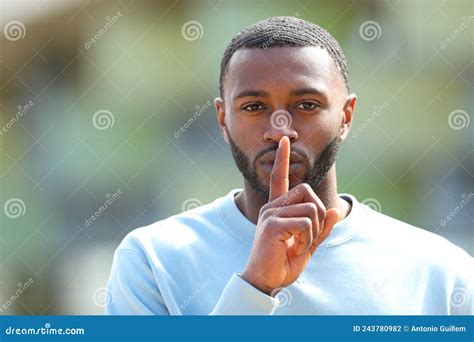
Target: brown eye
(307,105)
(253,107)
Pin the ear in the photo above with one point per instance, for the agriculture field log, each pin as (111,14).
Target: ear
(220,110)
(346,121)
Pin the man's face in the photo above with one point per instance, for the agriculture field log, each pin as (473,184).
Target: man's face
(292,91)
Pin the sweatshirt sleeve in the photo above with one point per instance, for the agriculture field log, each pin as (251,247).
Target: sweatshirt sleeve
(241,298)
(462,295)
(132,289)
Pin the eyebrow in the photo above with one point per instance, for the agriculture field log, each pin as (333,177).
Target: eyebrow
(254,93)
(307,91)
(263,93)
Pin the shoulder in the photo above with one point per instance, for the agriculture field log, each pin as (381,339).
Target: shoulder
(417,245)
(177,232)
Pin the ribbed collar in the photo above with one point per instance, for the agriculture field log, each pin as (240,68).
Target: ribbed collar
(343,231)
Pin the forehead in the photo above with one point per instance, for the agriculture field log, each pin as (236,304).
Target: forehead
(280,68)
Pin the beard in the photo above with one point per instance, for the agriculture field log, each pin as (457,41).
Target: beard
(313,176)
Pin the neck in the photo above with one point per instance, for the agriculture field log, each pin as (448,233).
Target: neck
(250,202)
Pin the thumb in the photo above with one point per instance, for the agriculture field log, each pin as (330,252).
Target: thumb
(332,217)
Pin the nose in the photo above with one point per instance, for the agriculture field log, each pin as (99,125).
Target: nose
(280,124)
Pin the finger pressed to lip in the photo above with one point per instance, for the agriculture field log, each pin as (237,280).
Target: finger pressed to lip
(271,156)
(279,181)
(293,167)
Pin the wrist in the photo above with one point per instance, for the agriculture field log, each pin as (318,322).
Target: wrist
(252,281)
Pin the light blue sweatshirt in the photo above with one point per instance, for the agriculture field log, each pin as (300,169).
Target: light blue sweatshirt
(371,264)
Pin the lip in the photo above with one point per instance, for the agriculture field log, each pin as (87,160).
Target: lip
(294,166)
(269,158)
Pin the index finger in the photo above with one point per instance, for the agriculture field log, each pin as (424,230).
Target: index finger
(279,181)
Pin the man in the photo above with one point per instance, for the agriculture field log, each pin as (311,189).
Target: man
(287,243)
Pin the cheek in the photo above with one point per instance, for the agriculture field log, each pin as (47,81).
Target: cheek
(247,133)
(316,134)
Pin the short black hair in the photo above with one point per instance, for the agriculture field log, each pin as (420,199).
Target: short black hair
(284,32)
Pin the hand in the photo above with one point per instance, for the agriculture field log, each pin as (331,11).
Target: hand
(290,227)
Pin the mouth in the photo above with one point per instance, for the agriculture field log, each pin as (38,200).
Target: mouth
(294,166)
(270,157)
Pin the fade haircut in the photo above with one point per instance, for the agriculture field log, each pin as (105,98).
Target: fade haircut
(284,32)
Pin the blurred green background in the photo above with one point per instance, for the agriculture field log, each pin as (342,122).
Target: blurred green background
(105,107)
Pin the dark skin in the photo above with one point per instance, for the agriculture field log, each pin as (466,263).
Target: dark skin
(292,217)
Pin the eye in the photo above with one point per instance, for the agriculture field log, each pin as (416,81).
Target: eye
(253,107)
(307,105)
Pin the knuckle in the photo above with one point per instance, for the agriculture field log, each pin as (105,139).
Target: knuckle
(269,222)
(313,209)
(306,223)
(305,188)
(263,209)
(270,212)
(323,215)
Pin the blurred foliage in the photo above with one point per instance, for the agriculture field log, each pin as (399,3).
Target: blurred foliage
(152,80)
